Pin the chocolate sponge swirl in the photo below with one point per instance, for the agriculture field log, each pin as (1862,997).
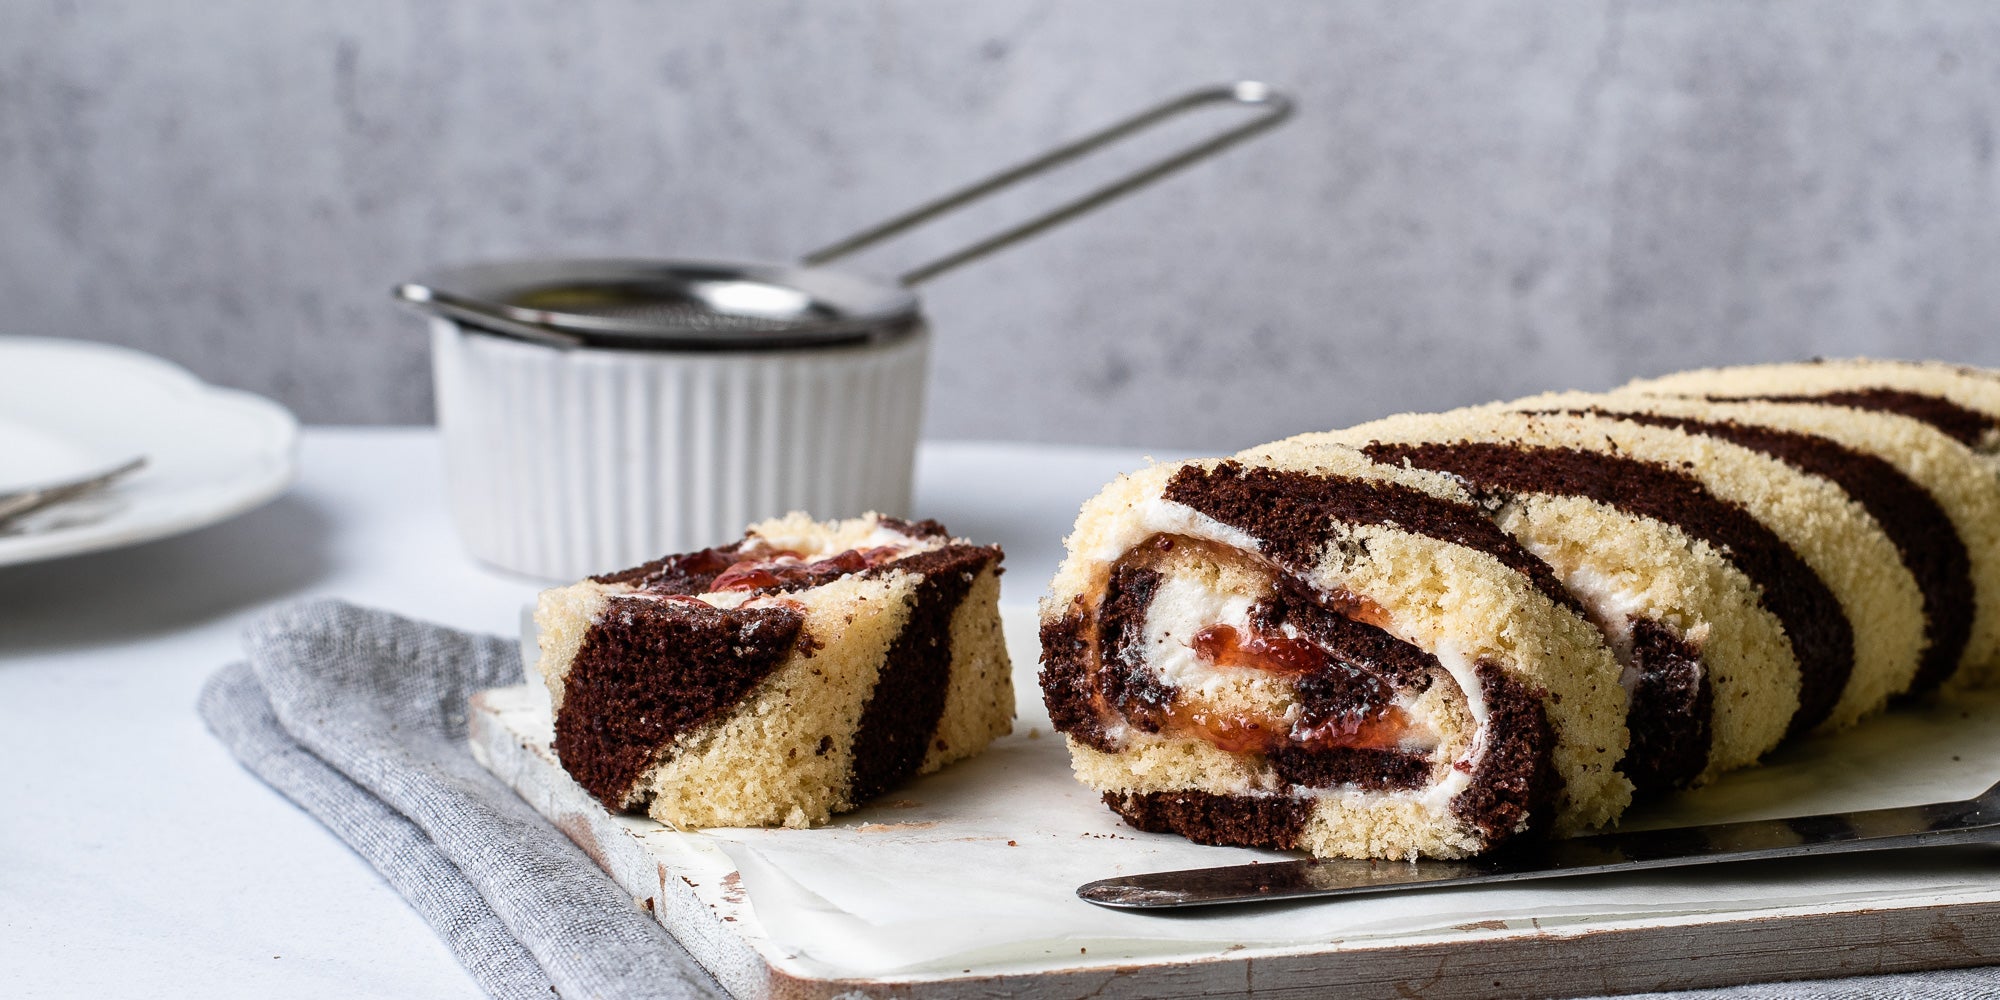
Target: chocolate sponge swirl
(1938,426)
(1912,519)
(1671,677)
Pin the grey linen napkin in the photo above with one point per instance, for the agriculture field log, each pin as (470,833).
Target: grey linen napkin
(359,717)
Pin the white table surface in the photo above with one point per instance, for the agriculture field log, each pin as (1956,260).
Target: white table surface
(137,858)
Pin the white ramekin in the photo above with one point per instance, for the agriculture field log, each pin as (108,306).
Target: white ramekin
(567,462)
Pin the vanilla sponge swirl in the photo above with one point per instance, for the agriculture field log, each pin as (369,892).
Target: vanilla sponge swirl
(1939,424)
(1961,402)
(1756,553)
(1931,494)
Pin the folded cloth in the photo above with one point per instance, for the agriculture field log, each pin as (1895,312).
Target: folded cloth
(359,717)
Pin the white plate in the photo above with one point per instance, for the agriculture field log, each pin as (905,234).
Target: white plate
(69,406)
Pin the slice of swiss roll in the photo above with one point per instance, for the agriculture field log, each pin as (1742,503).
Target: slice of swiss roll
(779,679)
(1302,647)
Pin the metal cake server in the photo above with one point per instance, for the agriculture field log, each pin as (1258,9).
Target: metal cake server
(1973,821)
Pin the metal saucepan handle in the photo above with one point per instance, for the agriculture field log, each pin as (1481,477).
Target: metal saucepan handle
(1276,108)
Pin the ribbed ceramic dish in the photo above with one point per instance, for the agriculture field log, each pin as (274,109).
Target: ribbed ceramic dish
(564,463)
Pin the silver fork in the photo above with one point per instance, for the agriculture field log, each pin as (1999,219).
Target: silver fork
(22,502)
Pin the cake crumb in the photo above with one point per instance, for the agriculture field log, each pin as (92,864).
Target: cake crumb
(889,827)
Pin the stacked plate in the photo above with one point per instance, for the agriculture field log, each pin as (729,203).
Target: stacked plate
(71,408)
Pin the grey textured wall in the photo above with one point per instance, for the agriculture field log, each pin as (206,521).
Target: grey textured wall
(1477,199)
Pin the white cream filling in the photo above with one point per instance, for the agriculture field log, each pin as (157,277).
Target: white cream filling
(816,546)
(1461,663)
(716,599)
(1611,602)
(1155,516)
(1167,634)
(1180,608)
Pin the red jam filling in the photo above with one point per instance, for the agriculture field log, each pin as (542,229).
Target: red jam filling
(1244,733)
(769,569)
(1382,730)
(1362,725)
(1224,646)
(745,576)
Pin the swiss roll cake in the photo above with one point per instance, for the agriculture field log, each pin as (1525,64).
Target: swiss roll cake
(1696,568)
(779,679)
(1309,649)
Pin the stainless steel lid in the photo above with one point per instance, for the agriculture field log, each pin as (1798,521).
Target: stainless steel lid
(668,304)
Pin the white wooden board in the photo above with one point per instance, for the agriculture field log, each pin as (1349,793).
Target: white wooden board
(959,885)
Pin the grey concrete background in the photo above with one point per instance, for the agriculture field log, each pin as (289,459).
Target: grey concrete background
(1477,199)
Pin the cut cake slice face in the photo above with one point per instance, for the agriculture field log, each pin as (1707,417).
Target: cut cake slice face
(1303,648)
(779,679)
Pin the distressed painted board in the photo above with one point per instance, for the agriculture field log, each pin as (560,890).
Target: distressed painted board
(1804,919)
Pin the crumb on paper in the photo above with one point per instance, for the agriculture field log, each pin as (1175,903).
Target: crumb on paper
(1012,844)
(891,827)
(1034,732)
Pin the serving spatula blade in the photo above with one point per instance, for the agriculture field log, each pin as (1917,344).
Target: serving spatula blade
(1974,820)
